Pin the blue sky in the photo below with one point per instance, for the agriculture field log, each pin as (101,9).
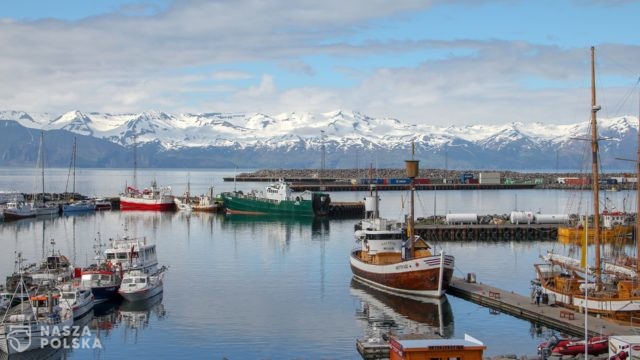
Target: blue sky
(438,62)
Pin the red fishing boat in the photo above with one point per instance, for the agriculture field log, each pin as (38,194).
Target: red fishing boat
(153,198)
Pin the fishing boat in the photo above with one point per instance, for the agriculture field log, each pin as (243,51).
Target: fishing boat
(206,202)
(102,204)
(29,324)
(138,285)
(103,282)
(613,289)
(54,269)
(384,257)
(152,198)
(17,210)
(277,199)
(79,300)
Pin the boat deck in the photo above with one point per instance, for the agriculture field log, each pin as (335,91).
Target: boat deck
(555,317)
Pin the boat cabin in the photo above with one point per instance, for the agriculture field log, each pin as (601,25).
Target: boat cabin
(436,349)
(613,218)
(132,253)
(279,191)
(388,246)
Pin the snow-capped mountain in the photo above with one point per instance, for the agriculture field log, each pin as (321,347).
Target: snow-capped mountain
(350,139)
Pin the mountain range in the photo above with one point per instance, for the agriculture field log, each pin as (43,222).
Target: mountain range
(347,139)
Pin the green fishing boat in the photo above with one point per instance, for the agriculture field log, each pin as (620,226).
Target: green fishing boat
(277,199)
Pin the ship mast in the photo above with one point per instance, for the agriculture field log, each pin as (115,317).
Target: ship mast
(412,173)
(594,170)
(638,194)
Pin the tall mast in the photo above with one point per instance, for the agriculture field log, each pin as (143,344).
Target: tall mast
(412,173)
(594,170)
(135,162)
(638,194)
(74,164)
(41,156)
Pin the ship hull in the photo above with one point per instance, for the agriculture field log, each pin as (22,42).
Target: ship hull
(617,307)
(237,204)
(143,294)
(162,204)
(419,276)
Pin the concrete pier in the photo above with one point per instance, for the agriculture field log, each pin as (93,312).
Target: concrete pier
(488,232)
(555,317)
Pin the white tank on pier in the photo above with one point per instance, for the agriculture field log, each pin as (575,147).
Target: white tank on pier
(551,218)
(461,218)
(521,217)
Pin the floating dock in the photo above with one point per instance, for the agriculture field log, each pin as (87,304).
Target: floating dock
(555,317)
(488,232)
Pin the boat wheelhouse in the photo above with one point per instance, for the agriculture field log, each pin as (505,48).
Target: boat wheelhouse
(132,253)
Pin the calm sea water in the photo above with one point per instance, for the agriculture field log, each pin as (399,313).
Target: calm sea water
(259,287)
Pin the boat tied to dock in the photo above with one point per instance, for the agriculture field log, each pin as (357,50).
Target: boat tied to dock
(277,199)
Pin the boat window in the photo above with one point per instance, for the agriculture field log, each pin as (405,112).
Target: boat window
(141,280)
(122,255)
(111,256)
(70,296)
(127,281)
(104,277)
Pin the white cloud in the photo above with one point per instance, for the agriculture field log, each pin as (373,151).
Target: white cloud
(122,63)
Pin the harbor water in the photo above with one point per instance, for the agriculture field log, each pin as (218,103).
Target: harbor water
(280,288)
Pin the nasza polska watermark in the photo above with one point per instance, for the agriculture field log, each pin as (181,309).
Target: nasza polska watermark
(57,337)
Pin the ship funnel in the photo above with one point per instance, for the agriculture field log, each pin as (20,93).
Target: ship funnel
(412,168)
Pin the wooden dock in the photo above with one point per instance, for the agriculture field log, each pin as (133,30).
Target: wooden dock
(555,317)
(488,232)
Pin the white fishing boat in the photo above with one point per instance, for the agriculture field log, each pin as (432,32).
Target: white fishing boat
(138,286)
(77,299)
(206,203)
(17,210)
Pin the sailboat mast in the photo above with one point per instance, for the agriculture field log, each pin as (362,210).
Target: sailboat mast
(135,162)
(74,164)
(638,194)
(41,156)
(594,170)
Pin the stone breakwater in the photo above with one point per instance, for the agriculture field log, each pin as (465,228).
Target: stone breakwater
(543,180)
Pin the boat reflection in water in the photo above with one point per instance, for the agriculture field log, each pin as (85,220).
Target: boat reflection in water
(135,316)
(383,312)
(280,228)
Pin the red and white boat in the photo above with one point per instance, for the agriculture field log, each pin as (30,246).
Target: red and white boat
(595,346)
(153,198)
(388,259)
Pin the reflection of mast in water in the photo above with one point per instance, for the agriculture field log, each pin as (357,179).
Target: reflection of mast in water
(383,312)
(320,232)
